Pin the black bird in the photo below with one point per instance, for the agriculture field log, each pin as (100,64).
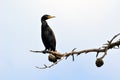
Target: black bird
(48,37)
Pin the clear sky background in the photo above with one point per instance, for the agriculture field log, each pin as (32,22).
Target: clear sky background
(80,24)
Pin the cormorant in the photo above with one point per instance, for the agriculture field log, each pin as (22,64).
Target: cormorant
(48,37)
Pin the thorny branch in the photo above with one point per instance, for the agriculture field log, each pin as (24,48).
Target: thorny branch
(103,49)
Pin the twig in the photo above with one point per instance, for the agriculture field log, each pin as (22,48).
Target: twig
(49,66)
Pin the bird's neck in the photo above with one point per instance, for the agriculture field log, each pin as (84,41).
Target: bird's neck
(44,23)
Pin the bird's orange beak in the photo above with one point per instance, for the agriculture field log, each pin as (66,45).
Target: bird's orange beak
(51,17)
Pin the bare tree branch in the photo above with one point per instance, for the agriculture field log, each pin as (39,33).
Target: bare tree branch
(103,49)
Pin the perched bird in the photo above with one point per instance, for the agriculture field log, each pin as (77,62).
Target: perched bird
(47,35)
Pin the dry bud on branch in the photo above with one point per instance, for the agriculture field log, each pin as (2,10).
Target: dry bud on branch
(99,62)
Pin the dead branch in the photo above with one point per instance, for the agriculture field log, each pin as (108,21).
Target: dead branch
(103,49)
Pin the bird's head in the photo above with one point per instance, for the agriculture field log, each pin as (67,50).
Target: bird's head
(45,17)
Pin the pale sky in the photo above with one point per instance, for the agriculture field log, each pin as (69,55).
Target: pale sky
(80,24)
